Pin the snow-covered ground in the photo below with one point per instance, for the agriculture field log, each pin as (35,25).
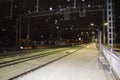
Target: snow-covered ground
(81,65)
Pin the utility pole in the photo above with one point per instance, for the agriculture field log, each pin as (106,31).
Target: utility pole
(17,25)
(28,33)
(103,25)
(37,6)
(74,3)
(20,25)
(11,9)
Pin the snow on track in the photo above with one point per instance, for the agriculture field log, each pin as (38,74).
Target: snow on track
(81,65)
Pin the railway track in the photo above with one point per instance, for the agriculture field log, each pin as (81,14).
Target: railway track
(15,68)
(28,58)
(27,72)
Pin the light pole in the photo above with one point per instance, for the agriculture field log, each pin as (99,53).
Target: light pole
(74,3)
(28,33)
(104,24)
(11,9)
(37,6)
(104,32)
(17,25)
(94,28)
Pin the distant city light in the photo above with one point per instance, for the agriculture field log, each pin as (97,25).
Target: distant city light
(21,47)
(50,8)
(93,32)
(86,32)
(66,28)
(56,21)
(89,5)
(57,27)
(79,38)
(59,6)
(71,28)
(41,36)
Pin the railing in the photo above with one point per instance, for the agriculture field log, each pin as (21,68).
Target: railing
(113,60)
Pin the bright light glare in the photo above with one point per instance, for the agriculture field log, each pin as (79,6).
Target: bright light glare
(105,24)
(57,27)
(50,8)
(21,47)
(92,24)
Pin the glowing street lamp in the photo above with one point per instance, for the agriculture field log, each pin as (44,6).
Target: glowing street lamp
(92,24)
(50,8)
(105,24)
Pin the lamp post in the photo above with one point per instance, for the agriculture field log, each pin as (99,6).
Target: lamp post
(11,9)
(97,29)
(74,3)
(104,32)
(37,6)
(28,33)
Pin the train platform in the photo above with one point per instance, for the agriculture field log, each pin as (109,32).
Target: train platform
(83,64)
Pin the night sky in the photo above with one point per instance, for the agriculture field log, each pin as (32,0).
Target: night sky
(48,27)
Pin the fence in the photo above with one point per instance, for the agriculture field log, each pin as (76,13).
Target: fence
(113,60)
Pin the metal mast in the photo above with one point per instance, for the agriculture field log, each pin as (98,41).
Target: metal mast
(110,22)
